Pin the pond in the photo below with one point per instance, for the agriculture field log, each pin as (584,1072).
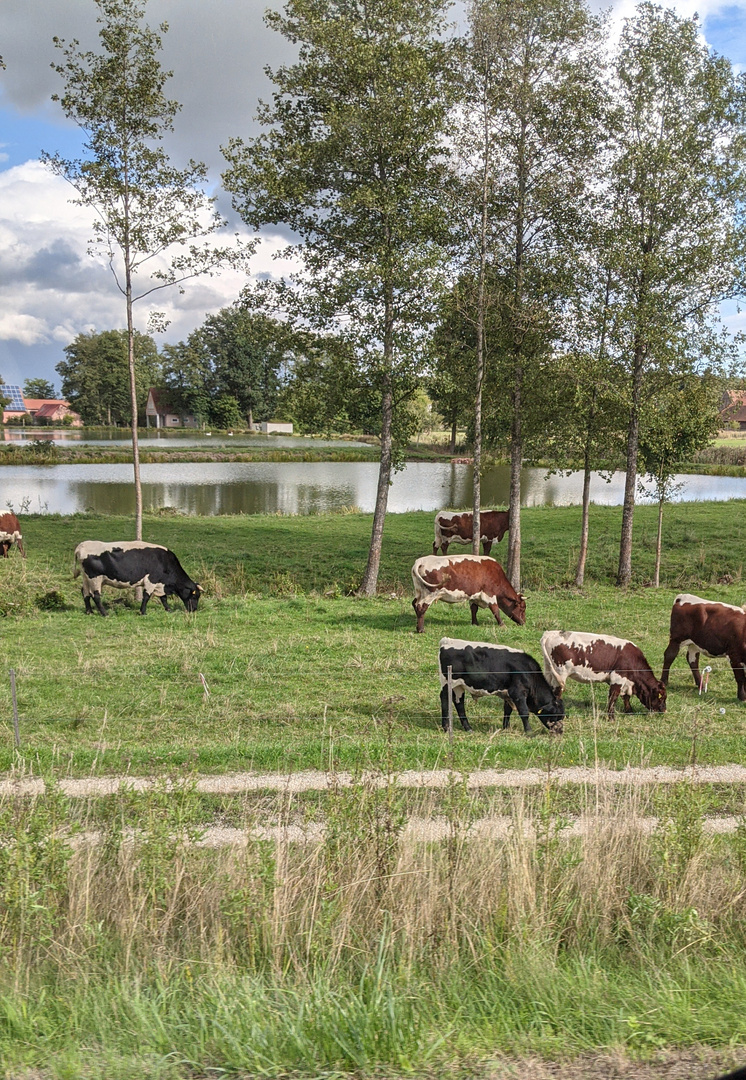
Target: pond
(307,487)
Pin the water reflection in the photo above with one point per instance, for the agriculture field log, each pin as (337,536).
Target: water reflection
(148,439)
(306,487)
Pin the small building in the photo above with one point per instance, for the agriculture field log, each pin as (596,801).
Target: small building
(733,408)
(162,411)
(51,411)
(274,427)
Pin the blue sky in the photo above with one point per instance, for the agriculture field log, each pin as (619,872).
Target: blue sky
(50,290)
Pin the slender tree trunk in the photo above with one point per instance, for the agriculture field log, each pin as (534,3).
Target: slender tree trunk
(580,572)
(477,473)
(624,575)
(453,436)
(133,402)
(513,569)
(661,501)
(370,577)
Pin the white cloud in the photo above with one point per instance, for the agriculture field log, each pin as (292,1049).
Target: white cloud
(51,289)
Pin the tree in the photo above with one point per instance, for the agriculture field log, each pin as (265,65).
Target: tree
(682,420)
(38,388)
(96,379)
(677,183)
(351,161)
(539,134)
(151,218)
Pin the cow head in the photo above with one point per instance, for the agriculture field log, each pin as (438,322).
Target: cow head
(190,594)
(552,716)
(654,698)
(515,608)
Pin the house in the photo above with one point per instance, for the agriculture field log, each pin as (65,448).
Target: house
(733,408)
(161,409)
(273,427)
(51,411)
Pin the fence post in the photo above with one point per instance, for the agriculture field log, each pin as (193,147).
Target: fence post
(449,673)
(15,708)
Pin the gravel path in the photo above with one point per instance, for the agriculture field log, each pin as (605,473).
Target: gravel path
(237,783)
(419,829)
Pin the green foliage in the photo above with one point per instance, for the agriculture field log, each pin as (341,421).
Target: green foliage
(38,388)
(95,375)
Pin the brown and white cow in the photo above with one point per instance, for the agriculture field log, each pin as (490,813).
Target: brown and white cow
(455,578)
(10,533)
(452,527)
(709,627)
(590,658)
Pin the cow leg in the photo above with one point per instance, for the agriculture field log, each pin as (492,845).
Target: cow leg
(521,707)
(627,703)
(87,602)
(668,658)
(460,709)
(474,610)
(614,692)
(99,605)
(5,546)
(435,547)
(145,597)
(496,612)
(739,674)
(692,657)
(164,600)
(444,546)
(486,546)
(419,610)
(507,710)
(20,548)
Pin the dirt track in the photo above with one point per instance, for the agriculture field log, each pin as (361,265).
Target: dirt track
(237,783)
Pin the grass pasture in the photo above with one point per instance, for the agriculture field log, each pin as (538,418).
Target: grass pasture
(131,950)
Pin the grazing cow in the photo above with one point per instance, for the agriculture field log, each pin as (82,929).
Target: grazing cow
(709,627)
(475,578)
(10,533)
(128,564)
(479,668)
(599,658)
(452,527)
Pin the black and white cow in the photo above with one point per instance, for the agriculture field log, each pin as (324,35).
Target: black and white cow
(480,668)
(128,564)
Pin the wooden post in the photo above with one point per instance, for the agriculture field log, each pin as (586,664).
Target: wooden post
(449,672)
(15,708)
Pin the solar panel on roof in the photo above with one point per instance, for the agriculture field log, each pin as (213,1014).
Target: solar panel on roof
(9,390)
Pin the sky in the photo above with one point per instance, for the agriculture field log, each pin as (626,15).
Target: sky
(51,289)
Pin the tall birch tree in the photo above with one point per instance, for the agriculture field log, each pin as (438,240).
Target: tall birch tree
(151,219)
(350,159)
(539,128)
(677,182)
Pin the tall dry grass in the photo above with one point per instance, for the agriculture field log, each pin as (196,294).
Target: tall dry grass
(361,949)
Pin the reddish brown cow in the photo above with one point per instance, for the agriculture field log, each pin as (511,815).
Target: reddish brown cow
(600,658)
(475,578)
(709,627)
(455,528)
(10,533)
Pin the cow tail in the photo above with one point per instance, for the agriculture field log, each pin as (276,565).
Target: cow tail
(76,565)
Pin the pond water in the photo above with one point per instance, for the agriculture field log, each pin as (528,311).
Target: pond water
(150,438)
(307,487)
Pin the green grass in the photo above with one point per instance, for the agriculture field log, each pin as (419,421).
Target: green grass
(301,674)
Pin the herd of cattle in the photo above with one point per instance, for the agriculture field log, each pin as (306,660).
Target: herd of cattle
(475,667)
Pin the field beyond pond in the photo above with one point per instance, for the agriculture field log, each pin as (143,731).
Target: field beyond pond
(337,937)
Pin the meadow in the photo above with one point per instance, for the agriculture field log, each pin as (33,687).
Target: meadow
(131,949)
